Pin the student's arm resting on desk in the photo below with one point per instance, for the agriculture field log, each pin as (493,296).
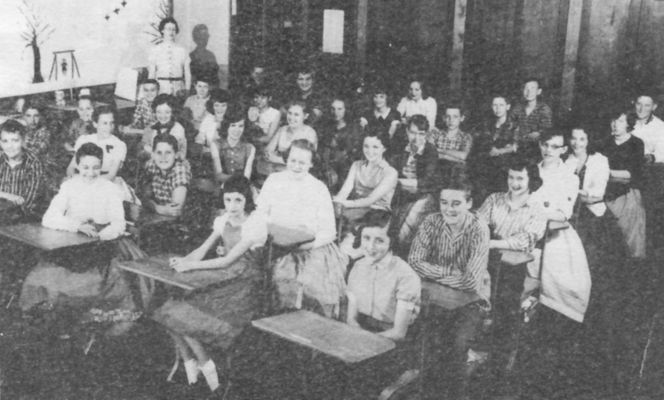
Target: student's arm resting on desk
(254,233)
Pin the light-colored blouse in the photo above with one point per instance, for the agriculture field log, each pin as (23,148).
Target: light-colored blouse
(79,201)
(427,107)
(559,189)
(114,149)
(595,179)
(253,229)
(368,177)
(378,286)
(298,203)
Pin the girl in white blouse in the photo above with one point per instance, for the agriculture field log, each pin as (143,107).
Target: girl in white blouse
(92,206)
(295,199)
(164,107)
(417,102)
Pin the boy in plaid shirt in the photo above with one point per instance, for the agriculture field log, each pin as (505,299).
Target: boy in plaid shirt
(453,145)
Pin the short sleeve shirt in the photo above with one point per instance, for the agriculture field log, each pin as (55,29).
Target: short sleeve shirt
(377,287)
(163,183)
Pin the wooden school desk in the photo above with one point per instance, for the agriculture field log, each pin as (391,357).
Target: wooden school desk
(348,344)
(45,239)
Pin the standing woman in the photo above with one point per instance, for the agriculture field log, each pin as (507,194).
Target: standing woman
(169,62)
(623,194)
(418,102)
(312,275)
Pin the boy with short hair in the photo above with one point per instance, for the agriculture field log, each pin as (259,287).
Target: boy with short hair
(144,116)
(452,143)
(21,173)
(531,116)
(649,128)
(263,115)
(450,253)
(305,90)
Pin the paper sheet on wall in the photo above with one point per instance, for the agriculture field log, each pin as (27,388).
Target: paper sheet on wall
(333,31)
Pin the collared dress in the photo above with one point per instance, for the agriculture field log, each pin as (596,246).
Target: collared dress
(169,60)
(234,158)
(217,314)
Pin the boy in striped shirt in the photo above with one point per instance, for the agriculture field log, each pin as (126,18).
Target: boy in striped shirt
(450,253)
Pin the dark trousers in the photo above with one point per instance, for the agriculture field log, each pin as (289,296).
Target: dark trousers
(448,335)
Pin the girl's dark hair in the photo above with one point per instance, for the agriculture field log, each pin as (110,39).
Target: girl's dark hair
(240,184)
(374,219)
(103,110)
(616,113)
(423,86)
(167,99)
(521,163)
(89,149)
(261,90)
(151,82)
(168,20)
(33,104)
(376,133)
(85,97)
(165,138)
(592,141)
(548,134)
(234,113)
(217,96)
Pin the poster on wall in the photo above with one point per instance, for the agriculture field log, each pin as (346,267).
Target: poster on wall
(49,45)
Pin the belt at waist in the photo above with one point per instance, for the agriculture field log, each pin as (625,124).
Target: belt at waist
(170,79)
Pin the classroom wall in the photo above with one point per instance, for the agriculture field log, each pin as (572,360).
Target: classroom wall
(102,45)
(216,15)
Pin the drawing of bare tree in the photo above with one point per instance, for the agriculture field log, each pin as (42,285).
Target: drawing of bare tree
(36,33)
(162,12)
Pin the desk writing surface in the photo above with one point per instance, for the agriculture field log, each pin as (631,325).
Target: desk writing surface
(158,269)
(342,341)
(287,237)
(35,235)
(514,257)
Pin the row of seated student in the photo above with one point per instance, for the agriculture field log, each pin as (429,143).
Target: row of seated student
(432,158)
(450,247)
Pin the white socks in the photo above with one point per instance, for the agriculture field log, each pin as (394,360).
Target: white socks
(192,370)
(209,371)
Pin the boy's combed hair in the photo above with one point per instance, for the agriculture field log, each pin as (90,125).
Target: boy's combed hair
(420,121)
(375,219)
(263,90)
(298,103)
(89,149)
(548,134)
(165,138)
(217,96)
(240,184)
(461,183)
(168,20)
(13,126)
(535,79)
(522,163)
(103,110)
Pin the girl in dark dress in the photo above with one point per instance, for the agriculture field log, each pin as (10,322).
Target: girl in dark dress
(217,315)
